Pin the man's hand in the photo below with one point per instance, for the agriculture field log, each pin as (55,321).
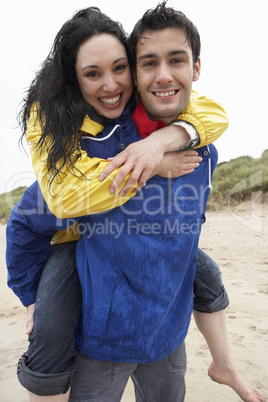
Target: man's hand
(29,322)
(141,159)
(176,164)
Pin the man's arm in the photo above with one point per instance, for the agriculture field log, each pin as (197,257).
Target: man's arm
(29,320)
(176,164)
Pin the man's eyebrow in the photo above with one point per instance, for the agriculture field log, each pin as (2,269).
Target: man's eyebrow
(152,55)
(147,56)
(96,66)
(175,52)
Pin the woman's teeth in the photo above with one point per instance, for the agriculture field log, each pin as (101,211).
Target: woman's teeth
(110,101)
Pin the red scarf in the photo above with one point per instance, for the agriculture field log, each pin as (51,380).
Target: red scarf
(144,125)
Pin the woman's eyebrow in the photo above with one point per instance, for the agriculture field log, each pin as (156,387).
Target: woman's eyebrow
(96,66)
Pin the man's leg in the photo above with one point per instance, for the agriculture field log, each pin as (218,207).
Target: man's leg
(47,367)
(163,380)
(209,313)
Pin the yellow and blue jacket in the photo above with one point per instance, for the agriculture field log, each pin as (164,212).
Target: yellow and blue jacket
(136,262)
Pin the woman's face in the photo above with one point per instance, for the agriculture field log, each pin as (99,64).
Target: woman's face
(103,74)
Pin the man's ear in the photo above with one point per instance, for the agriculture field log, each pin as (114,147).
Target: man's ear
(197,70)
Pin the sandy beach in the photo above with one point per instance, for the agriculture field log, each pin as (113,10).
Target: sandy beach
(237,238)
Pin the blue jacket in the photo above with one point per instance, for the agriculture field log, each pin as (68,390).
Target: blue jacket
(136,263)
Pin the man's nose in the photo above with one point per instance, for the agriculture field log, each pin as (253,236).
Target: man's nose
(163,73)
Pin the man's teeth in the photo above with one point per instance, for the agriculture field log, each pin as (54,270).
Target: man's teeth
(167,93)
(110,101)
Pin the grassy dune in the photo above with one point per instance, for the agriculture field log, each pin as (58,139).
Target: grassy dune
(236,180)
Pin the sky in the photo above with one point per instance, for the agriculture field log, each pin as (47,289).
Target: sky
(233,57)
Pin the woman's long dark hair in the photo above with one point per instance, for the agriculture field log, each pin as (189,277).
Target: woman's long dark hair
(55,91)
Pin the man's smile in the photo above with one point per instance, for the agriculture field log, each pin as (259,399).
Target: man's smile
(163,94)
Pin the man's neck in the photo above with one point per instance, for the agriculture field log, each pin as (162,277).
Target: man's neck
(145,126)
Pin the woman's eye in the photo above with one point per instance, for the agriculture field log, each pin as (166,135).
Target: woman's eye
(92,74)
(121,67)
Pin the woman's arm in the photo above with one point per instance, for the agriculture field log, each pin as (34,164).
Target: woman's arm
(202,116)
(207,116)
(72,196)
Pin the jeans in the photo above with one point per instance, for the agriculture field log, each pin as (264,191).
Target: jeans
(210,295)
(47,366)
(102,381)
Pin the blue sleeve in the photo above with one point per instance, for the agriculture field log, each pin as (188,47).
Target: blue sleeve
(29,232)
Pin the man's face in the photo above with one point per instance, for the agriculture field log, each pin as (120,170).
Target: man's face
(164,73)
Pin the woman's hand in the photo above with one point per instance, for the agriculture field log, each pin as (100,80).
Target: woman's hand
(176,164)
(140,159)
(29,322)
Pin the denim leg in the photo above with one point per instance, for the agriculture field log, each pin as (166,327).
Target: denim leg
(47,366)
(163,380)
(210,295)
(99,381)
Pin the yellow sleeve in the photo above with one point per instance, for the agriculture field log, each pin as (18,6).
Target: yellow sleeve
(207,116)
(72,233)
(73,195)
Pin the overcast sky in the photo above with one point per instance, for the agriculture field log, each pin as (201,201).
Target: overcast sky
(233,55)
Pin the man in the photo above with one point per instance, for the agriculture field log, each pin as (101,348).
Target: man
(167,61)
(166,47)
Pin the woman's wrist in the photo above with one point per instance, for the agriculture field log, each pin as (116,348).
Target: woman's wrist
(171,138)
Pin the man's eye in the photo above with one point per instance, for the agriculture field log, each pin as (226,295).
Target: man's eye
(177,61)
(149,64)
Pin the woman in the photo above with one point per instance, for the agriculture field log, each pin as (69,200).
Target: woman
(55,139)
(60,158)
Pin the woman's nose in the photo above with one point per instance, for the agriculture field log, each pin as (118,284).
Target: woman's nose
(110,84)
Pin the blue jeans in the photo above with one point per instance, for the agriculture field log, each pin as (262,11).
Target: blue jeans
(48,365)
(210,295)
(101,381)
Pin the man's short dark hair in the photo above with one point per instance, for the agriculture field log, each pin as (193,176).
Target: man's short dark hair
(163,17)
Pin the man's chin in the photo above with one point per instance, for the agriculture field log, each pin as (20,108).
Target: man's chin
(166,114)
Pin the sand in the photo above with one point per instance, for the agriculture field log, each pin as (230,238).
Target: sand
(237,238)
